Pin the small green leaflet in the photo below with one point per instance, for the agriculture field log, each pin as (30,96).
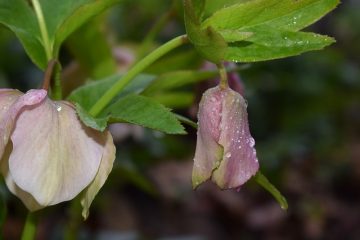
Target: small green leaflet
(282,14)
(61,21)
(20,18)
(88,94)
(98,123)
(267,43)
(259,30)
(145,112)
(126,107)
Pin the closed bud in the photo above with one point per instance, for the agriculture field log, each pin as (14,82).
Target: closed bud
(225,150)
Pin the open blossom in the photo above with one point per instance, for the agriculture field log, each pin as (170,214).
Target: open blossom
(48,155)
(225,150)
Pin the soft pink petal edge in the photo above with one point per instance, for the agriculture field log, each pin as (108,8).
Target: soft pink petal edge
(12,102)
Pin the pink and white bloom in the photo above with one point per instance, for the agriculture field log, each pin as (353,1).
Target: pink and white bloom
(48,154)
(225,150)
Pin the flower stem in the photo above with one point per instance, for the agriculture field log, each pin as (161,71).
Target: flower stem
(48,74)
(264,182)
(29,231)
(56,87)
(136,69)
(43,29)
(223,76)
(186,120)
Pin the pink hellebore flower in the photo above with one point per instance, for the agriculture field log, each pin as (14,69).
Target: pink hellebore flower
(225,149)
(48,155)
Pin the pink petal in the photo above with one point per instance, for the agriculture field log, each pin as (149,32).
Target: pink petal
(105,168)
(54,155)
(25,197)
(239,162)
(208,152)
(225,149)
(12,102)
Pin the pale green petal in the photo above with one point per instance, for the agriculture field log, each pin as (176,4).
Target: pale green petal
(106,166)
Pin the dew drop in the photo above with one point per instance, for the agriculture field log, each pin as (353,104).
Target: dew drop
(228,155)
(58,108)
(252,142)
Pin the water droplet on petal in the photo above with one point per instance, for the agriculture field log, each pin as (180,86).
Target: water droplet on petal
(58,108)
(251,142)
(228,155)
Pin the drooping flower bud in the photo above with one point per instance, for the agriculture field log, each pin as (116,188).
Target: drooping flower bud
(225,150)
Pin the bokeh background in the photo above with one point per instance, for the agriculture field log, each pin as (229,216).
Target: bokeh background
(304,113)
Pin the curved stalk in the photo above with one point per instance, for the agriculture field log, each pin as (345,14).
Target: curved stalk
(29,231)
(135,70)
(43,29)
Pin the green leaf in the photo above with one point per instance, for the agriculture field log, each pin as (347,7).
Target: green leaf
(267,43)
(235,35)
(68,16)
(62,18)
(144,111)
(175,99)
(177,79)
(214,5)
(88,95)
(283,14)
(264,182)
(19,17)
(209,43)
(96,123)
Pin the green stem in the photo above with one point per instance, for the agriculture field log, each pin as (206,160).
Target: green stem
(186,120)
(264,182)
(29,231)
(223,76)
(136,69)
(56,93)
(43,29)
